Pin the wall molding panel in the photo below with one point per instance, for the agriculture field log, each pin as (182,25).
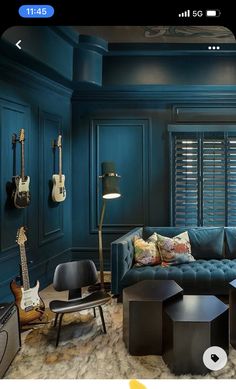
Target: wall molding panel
(51,224)
(13,117)
(116,139)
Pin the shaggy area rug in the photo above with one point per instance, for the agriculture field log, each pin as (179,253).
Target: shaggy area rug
(85,352)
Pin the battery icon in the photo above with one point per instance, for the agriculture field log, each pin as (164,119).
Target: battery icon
(215,13)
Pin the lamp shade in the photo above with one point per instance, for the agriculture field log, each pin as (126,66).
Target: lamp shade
(110,181)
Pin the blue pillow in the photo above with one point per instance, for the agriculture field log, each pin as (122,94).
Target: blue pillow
(207,242)
(230,242)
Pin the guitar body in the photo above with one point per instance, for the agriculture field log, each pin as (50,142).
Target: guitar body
(58,190)
(29,303)
(21,193)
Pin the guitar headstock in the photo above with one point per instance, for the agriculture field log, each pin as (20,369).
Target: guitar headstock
(22,135)
(21,237)
(59,141)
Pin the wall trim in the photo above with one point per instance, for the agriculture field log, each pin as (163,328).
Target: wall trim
(22,73)
(169,49)
(160,94)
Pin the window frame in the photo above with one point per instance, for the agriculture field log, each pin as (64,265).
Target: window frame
(199,129)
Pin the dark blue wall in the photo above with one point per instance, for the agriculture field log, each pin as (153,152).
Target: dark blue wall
(127,121)
(31,101)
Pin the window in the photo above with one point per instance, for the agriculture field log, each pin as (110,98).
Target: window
(203,176)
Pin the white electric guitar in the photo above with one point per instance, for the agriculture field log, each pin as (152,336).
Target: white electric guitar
(30,305)
(59,190)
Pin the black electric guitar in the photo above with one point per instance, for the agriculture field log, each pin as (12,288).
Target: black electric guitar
(30,305)
(21,192)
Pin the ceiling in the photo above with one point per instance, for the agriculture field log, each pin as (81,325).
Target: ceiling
(159,34)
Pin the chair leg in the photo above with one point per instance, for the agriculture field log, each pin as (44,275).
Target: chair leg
(102,318)
(55,320)
(94,312)
(59,329)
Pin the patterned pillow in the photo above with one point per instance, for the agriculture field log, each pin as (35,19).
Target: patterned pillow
(146,252)
(176,250)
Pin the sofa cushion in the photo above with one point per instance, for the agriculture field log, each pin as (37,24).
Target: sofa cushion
(198,277)
(174,250)
(146,251)
(207,243)
(230,242)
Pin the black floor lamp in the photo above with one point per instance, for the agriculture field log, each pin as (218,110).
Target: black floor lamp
(110,191)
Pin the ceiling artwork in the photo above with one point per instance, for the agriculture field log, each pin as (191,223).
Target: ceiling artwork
(159,34)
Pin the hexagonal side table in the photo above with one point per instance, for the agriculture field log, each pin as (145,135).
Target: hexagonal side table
(232,312)
(191,326)
(143,305)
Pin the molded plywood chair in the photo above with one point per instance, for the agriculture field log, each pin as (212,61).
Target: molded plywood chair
(73,276)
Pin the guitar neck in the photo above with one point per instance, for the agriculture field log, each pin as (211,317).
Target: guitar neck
(22,161)
(24,268)
(60,164)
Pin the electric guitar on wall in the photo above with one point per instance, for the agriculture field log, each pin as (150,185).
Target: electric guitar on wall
(59,190)
(21,192)
(30,305)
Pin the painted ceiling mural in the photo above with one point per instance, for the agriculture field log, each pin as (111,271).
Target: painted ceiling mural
(160,34)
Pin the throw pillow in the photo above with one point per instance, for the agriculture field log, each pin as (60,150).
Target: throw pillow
(176,250)
(146,252)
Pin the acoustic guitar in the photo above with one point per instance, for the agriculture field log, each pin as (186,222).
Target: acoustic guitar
(30,304)
(59,190)
(21,192)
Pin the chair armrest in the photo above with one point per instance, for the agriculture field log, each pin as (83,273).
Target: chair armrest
(122,254)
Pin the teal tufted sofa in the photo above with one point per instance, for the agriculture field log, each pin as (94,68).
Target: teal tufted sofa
(214,249)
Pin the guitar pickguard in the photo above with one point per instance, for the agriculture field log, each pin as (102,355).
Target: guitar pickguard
(30,298)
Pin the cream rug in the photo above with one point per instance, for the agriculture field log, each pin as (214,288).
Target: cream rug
(85,352)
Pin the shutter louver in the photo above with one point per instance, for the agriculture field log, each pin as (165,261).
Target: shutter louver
(231,180)
(213,182)
(186,181)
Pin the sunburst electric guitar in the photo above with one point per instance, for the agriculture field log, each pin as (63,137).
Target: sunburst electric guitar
(59,190)
(30,305)
(21,192)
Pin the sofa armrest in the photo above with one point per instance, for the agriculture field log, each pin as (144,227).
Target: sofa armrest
(122,254)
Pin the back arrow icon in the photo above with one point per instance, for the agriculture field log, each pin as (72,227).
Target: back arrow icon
(18,44)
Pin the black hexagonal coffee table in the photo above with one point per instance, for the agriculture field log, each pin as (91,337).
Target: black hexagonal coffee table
(143,305)
(192,325)
(232,312)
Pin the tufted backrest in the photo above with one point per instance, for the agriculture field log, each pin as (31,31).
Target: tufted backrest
(206,242)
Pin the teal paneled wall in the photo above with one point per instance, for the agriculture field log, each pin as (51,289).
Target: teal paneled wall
(136,140)
(42,108)
(126,121)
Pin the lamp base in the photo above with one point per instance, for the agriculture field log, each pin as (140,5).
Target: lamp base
(96,287)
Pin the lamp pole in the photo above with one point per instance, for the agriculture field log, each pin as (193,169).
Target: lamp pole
(101,262)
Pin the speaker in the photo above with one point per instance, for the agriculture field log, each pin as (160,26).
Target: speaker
(10,341)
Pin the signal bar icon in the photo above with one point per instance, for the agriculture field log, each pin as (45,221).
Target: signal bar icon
(185,14)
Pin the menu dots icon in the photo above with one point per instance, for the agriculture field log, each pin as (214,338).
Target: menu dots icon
(213,47)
